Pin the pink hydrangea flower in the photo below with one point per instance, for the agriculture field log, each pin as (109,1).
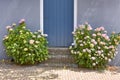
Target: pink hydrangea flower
(89,27)
(107,38)
(86,22)
(111,46)
(99,52)
(102,28)
(113,32)
(21,21)
(94,35)
(8,27)
(97,29)
(93,41)
(104,35)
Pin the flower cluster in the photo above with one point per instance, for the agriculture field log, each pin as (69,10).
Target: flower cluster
(93,48)
(24,46)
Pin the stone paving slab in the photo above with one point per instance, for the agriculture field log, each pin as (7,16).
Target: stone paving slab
(10,71)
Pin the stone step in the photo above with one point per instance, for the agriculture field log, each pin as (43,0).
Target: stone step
(67,65)
(59,51)
(60,59)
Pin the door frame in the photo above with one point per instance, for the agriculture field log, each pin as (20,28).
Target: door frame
(42,14)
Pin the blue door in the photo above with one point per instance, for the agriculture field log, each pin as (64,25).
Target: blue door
(58,22)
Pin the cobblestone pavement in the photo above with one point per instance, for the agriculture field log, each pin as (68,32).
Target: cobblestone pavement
(10,71)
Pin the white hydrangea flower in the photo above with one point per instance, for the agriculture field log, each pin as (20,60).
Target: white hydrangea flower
(23,27)
(73,44)
(102,55)
(77,38)
(31,41)
(89,51)
(39,36)
(25,49)
(33,36)
(99,47)
(36,46)
(14,24)
(25,41)
(73,32)
(93,58)
(106,47)
(35,32)
(5,37)
(45,35)
(106,58)
(94,64)
(72,51)
(87,36)
(80,41)
(81,44)
(82,33)
(70,47)
(29,54)
(84,50)
(10,29)
(82,26)
(75,52)
(109,60)
(116,52)
(89,55)
(37,42)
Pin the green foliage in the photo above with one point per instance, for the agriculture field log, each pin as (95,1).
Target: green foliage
(93,48)
(24,46)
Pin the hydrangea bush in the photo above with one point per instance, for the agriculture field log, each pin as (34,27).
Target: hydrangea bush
(24,46)
(93,48)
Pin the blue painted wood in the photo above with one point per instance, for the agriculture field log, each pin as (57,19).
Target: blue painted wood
(58,22)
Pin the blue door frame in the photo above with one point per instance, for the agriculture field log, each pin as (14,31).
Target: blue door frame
(58,22)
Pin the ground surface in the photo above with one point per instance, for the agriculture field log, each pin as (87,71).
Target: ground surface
(10,71)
